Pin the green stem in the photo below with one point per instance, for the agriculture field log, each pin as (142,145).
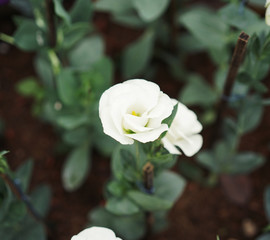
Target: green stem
(56,64)
(6,38)
(137,156)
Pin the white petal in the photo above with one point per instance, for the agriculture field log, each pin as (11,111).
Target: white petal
(169,146)
(134,123)
(149,136)
(95,233)
(110,129)
(267,15)
(192,146)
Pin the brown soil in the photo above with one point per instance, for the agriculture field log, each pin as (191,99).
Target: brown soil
(201,213)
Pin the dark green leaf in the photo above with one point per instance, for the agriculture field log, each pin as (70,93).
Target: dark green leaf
(76,168)
(231,15)
(197,91)
(150,10)
(61,12)
(114,6)
(169,186)
(264,237)
(40,199)
(67,86)
(87,52)
(23,175)
(28,36)
(75,33)
(130,227)
(72,121)
(137,55)
(81,11)
(121,206)
(149,202)
(203,23)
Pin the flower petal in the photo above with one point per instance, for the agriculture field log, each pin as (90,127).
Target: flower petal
(192,146)
(149,136)
(169,146)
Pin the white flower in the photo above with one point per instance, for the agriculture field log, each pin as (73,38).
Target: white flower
(183,132)
(134,110)
(267,12)
(96,233)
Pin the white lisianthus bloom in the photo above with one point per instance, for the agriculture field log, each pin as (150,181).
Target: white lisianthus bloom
(183,132)
(96,233)
(267,12)
(134,110)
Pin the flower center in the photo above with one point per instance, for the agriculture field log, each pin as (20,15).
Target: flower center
(135,114)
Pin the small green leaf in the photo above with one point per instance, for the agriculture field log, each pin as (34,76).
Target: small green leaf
(149,202)
(169,186)
(40,199)
(30,88)
(231,15)
(131,226)
(121,206)
(137,55)
(74,33)
(197,91)
(87,52)
(28,36)
(76,168)
(61,12)
(150,10)
(81,11)
(202,23)
(24,173)
(67,86)
(72,121)
(114,6)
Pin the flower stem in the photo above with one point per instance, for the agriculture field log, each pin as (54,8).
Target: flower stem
(6,38)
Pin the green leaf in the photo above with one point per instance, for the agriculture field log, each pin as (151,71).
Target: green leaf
(267,202)
(72,121)
(190,171)
(74,33)
(23,174)
(44,71)
(76,168)
(123,162)
(207,159)
(245,162)
(264,237)
(61,12)
(40,199)
(231,15)
(30,88)
(81,11)
(197,91)
(121,206)
(150,10)
(137,55)
(169,119)
(28,36)
(87,52)
(114,6)
(249,114)
(67,86)
(128,19)
(149,202)
(131,227)
(169,186)
(77,136)
(202,23)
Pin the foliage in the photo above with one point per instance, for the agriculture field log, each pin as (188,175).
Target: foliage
(72,72)
(246,100)
(128,199)
(15,221)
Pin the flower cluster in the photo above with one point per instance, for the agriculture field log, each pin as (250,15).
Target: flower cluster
(136,109)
